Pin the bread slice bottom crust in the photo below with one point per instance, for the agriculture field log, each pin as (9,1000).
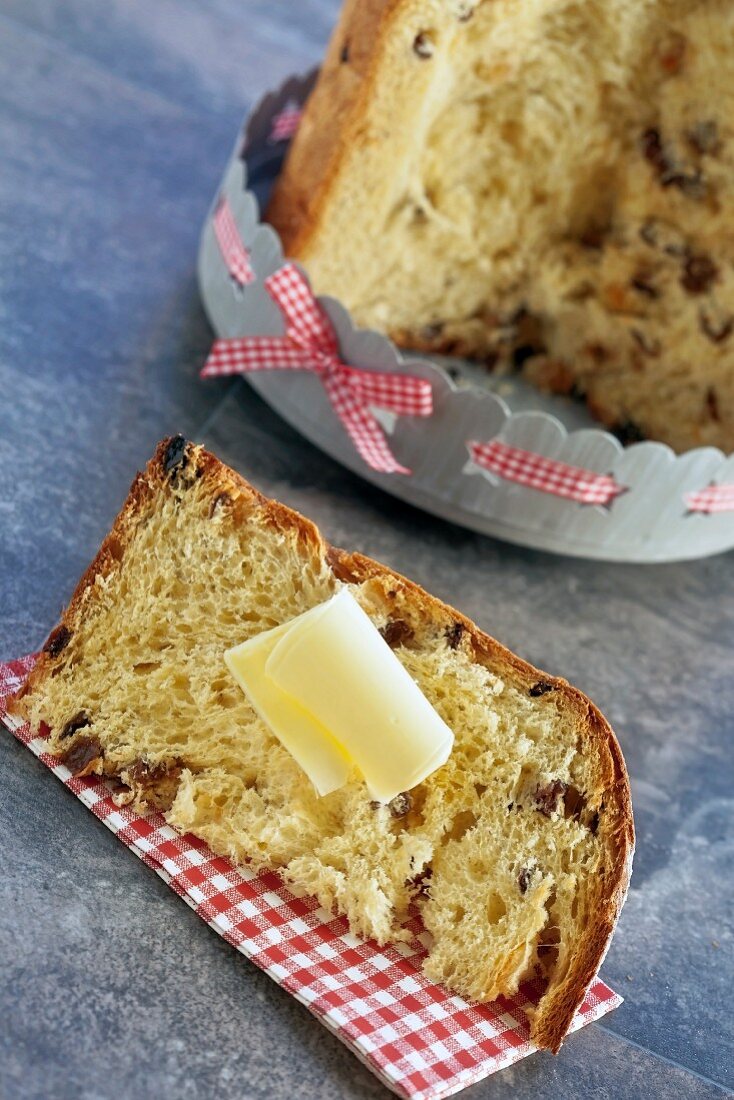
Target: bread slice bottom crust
(516,853)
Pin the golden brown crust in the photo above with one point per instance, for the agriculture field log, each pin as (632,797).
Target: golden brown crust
(336,119)
(553,1019)
(561,1005)
(332,120)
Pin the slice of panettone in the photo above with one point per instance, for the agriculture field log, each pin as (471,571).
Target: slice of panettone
(517,851)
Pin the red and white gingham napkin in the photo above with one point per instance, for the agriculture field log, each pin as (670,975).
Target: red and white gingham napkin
(423,1042)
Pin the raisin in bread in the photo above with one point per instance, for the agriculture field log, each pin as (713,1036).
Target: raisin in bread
(545,186)
(517,851)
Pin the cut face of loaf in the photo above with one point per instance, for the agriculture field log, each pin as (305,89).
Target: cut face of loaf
(545,186)
(517,851)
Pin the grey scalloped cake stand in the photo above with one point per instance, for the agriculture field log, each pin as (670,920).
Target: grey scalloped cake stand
(649,522)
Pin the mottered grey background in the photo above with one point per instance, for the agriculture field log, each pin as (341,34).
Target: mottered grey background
(116,121)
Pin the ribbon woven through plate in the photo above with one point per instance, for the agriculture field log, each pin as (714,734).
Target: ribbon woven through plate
(548,475)
(712,500)
(286,122)
(234,253)
(421,1041)
(310,344)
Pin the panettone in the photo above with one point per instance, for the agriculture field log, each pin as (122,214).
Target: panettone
(546,186)
(516,851)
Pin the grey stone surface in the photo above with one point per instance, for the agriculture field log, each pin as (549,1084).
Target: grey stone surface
(114,129)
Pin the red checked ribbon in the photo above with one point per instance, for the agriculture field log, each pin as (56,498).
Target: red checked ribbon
(546,474)
(234,253)
(285,123)
(310,344)
(716,498)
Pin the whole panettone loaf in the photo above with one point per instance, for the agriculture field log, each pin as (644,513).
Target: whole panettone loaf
(546,186)
(517,851)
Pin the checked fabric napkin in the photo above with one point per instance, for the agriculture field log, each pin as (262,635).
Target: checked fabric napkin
(423,1042)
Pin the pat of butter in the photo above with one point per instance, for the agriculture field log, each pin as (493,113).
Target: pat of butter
(337,697)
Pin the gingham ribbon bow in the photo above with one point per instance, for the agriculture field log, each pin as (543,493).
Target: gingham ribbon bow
(548,475)
(310,344)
